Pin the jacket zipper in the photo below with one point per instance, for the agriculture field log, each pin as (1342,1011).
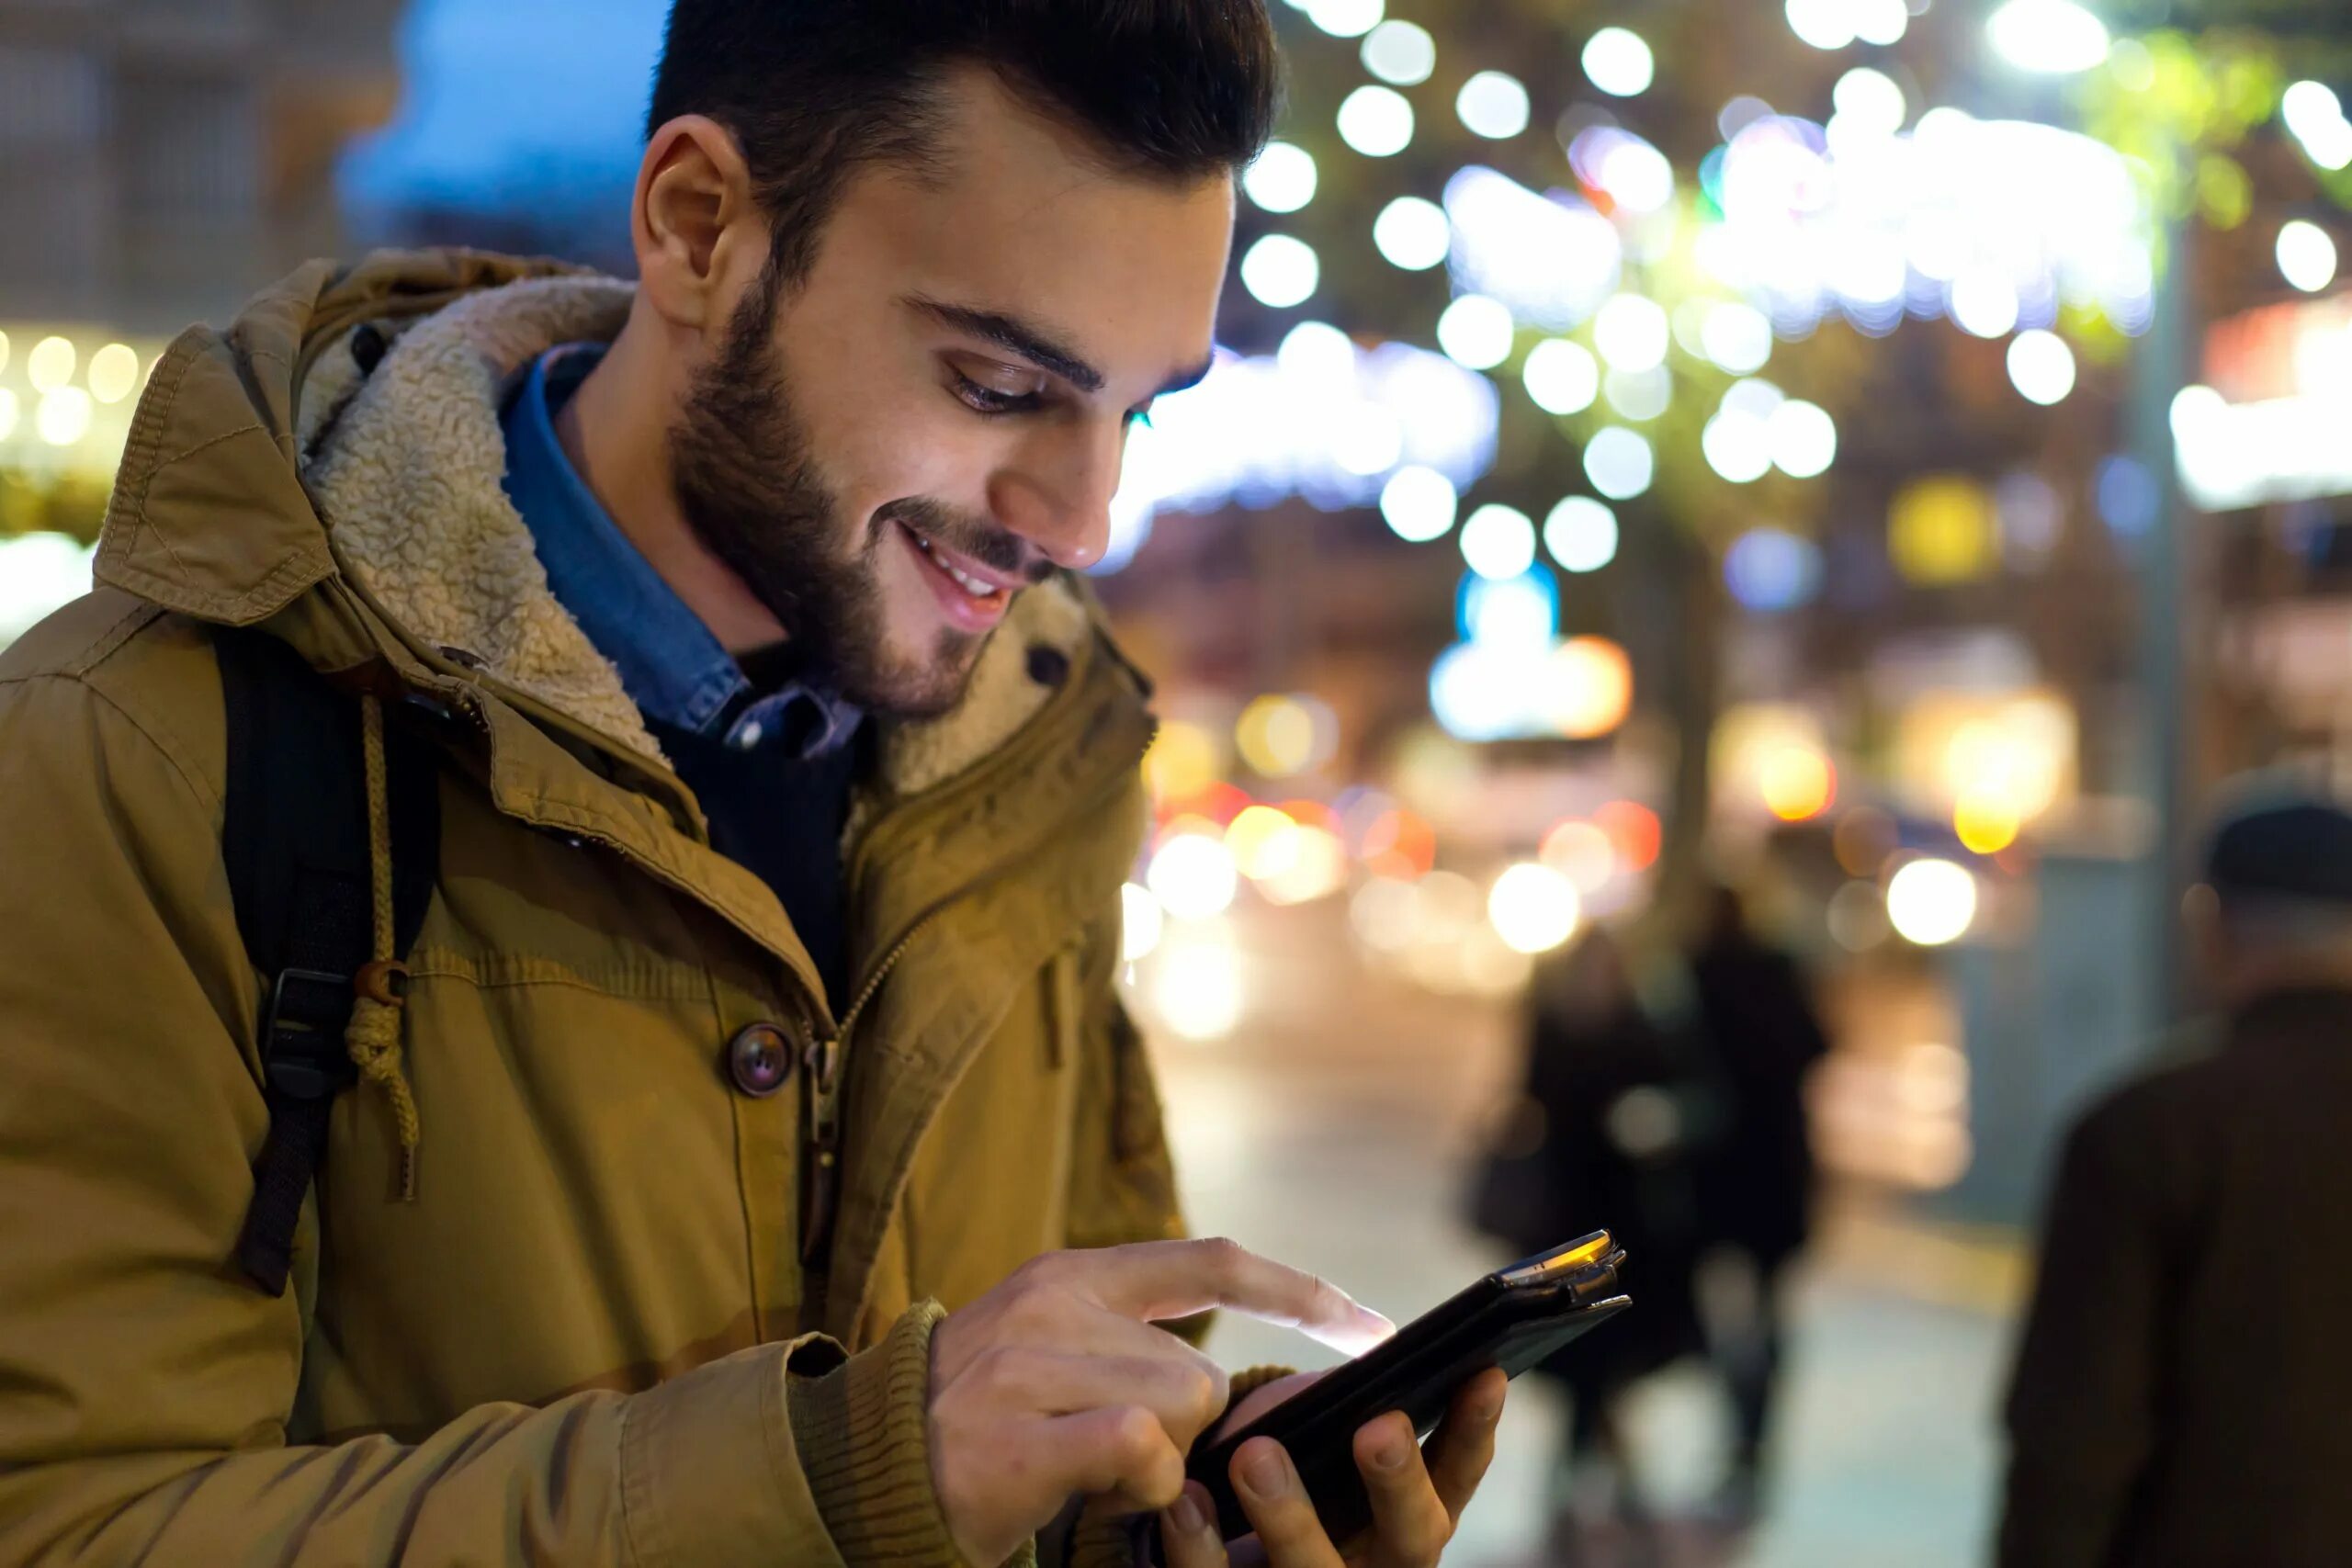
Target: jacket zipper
(822,1100)
(820,1193)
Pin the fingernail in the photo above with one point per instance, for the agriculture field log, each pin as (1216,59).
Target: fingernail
(1185,1515)
(1264,1471)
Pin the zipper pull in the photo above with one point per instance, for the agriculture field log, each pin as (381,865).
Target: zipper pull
(821,1178)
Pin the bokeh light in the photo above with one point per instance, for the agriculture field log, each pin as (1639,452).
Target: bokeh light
(1476,331)
(1619,462)
(50,365)
(1871,101)
(114,373)
(10,411)
(1931,902)
(1581,533)
(1798,784)
(1264,842)
(2052,36)
(1493,104)
(2042,366)
(1587,688)
(1412,232)
(2306,256)
(1346,18)
(1140,920)
(1583,853)
(1562,376)
(1419,503)
(1182,761)
(1282,178)
(1534,908)
(1196,990)
(1400,53)
(1192,875)
(1632,333)
(1803,438)
(2315,115)
(1634,830)
(63,417)
(1618,62)
(1498,541)
(1281,271)
(1639,395)
(1985,822)
(1738,337)
(1737,445)
(1281,735)
(1769,569)
(1376,121)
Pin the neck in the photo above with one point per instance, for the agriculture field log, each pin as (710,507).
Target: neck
(615,432)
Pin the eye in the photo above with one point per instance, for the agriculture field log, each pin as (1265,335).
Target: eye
(991,389)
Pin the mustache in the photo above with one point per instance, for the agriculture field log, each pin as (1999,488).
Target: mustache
(996,548)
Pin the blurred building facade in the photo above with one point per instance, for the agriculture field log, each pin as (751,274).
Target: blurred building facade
(159,160)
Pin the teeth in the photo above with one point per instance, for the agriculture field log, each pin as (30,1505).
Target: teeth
(964,580)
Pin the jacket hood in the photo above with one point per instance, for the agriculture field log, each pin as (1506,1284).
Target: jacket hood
(344,431)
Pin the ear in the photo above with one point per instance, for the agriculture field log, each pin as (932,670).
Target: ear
(698,234)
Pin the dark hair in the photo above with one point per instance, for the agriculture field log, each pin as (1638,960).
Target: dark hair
(811,89)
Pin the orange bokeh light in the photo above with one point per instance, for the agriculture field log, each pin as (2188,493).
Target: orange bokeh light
(1634,830)
(1403,835)
(1798,784)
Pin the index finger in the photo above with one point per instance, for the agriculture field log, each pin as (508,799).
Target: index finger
(1158,1279)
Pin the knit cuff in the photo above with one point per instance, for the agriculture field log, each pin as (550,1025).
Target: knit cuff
(862,1431)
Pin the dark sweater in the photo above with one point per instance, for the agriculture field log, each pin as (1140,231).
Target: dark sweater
(781,819)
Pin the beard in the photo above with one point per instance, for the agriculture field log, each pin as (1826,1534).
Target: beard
(748,486)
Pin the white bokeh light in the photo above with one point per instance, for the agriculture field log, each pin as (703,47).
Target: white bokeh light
(1419,503)
(1562,376)
(63,417)
(1412,232)
(1639,395)
(1871,101)
(1803,439)
(1376,121)
(1581,533)
(1534,908)
(1738,337)
(2314,115)
(1620,463)
(1402,54)
(2306,256)
(1282,178)
(1983,303)
(1280,271)
(1476,331)
(1618,62)
(1880,22)
(1824,24)
(1737,445)
(1345,18)
(1632,332)
(2042,366)
(1635,175)
(2051,37)
(1493,104)
(1193,877)
(1498,541)
(1931,902)
(1141,920)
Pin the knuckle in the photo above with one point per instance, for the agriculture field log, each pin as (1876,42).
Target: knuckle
(1223,1259)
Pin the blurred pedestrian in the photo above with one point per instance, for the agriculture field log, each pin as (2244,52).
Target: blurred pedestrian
(2183,1392)
(1613,1099)
(1756,1004)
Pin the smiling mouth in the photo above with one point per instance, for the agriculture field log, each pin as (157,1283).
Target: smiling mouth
(982,592)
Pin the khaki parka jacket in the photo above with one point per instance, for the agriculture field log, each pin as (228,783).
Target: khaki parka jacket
(590,1337)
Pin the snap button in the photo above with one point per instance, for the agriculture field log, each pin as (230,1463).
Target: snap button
(759,1059)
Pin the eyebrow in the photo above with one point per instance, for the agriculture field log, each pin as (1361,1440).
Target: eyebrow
(1038,346)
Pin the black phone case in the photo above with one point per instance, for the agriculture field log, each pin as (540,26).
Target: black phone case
(1507,1319)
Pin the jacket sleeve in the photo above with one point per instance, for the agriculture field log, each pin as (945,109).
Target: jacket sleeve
(144,1388)
(2082,1406)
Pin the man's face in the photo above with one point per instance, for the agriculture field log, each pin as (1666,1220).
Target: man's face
(934,418)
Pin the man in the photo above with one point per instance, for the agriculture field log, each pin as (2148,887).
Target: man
(785,781)
(2181,1390)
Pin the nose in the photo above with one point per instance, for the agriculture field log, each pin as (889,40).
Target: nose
(1057,493)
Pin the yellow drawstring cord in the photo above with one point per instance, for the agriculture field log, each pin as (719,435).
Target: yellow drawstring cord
(374,1038)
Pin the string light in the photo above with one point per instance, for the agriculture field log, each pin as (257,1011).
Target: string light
(1400,53)
(1618,62)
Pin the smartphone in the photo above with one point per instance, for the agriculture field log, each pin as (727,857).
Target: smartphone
(1513,1318)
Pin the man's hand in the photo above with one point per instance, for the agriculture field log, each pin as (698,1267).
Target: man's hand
(1417,1495)
(1056,1383)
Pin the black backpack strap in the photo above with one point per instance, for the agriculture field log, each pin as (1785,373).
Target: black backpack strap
(294,842)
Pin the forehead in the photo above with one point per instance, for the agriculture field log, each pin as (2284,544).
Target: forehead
(1016,214)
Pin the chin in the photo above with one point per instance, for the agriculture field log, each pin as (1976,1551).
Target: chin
(909,684)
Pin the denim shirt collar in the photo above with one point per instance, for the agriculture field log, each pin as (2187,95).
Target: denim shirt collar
(671,665)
